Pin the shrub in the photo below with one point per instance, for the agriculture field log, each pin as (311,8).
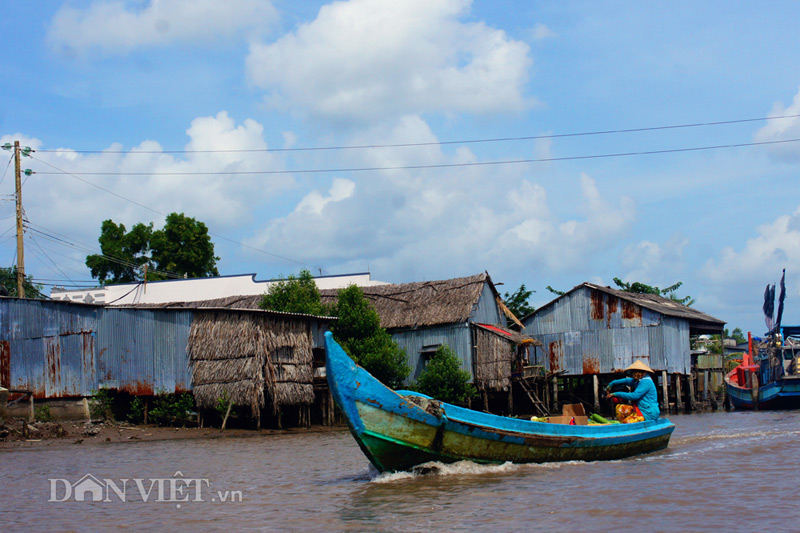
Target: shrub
(359,333)
(102,404)
(136,411)
(169,409)
(43,414)
(443,378)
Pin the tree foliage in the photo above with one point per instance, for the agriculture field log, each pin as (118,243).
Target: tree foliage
(736,335)
(555,291)
(296,294)
(444,379)
(641,288)
(517,302)
(182,247)
(358,331)
(8,284)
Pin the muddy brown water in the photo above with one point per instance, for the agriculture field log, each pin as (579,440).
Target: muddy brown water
(736,471)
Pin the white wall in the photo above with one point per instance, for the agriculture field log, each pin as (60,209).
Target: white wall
(192,290)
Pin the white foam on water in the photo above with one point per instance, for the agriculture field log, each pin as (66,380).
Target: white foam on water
(465,468)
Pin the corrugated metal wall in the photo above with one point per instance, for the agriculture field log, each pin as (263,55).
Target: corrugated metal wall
(58,349)
(487,311)
(457,336)
(591,332)
(50,352)
(143,351)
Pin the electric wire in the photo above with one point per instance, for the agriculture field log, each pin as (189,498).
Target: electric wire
(418,167)
(57,268)
(438,143)
(109,258)
(8,165)
(243,245)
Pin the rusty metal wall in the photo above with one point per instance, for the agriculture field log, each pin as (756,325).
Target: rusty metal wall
(60,349)
(591,332)
(143,351)
(47,346)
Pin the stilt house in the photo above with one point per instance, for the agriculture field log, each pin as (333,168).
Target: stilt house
(598,330)
(466,314)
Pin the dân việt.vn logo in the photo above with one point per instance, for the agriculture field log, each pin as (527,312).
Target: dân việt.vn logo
(176,489)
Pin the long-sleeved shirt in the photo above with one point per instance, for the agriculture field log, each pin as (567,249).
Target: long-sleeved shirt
(644,396)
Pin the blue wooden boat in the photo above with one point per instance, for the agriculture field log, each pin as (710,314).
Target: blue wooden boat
(398,430)
(767,377)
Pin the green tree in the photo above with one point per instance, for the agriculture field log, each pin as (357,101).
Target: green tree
(737,335)
(123,254)
(358,331)
(518,304)
(182,247)
(642,288)
(444,379)
(295,295)
(8,281)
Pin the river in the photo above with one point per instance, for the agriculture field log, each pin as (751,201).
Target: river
(721,470)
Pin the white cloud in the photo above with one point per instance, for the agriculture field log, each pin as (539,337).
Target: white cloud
(782,129)
(567,244)
(367,59)
(654,263)
(541,32)
(314,202)
(776,246)
(119,27)
(219,199)
(425,223)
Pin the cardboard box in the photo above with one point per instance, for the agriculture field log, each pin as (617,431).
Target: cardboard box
(573,409)
(579,420)
(570,411)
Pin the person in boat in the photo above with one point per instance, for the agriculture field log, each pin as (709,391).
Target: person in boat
(642,402)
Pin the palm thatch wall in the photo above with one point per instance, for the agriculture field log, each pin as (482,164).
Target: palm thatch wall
(255,359)
(493,359)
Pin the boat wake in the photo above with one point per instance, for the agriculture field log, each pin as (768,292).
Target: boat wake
(462,468)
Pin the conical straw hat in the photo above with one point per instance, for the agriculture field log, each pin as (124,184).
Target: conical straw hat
(640,365)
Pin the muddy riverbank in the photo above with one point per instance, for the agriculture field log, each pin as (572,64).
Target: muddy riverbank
(13,435)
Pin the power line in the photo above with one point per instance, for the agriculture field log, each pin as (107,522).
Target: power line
(109,258)
(434,143)
(164,215)
(6,170)
(415,167)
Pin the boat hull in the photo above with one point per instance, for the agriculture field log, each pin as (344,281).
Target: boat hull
(397,434)
(743,398)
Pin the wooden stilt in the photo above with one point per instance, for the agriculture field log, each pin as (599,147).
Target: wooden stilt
(596,390)
(678,394)
(664,391)
(485,400)
(705,385)
(511,400)
(692,397)
(555,407)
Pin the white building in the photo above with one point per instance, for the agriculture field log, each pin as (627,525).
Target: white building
(192,290)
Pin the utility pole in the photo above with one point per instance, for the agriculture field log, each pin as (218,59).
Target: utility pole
(20,248)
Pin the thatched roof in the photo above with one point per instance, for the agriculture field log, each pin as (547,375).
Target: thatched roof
(423,303)
(250,358)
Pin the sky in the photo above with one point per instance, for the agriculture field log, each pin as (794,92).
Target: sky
(547,143)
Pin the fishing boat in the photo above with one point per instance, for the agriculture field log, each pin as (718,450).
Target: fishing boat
(398,430)
(769,375)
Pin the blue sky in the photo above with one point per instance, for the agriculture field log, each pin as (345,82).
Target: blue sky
(196,96)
